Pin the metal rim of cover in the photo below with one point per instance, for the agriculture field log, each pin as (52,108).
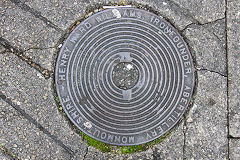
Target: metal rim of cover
(124,116)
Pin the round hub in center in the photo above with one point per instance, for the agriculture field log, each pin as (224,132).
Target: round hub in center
(125,75)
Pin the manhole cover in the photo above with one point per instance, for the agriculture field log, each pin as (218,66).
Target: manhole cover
(124,76)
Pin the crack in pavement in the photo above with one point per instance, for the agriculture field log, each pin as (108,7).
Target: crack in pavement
(182,10)
(38,125)
(20,54)
(227,71)
(36,14)
(75,156)
(208,29)
(216,36)
(201,24)
(184,135)
(84,156)
(231,137)
(37,48)
(204,69)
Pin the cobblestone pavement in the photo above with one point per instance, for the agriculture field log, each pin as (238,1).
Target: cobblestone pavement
(31,127)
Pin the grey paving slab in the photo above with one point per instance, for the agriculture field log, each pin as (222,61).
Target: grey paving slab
(234,149)
(96,154)
(233,25)
(218,29)
(148,154)
(207,49)
(2,49)
(172,146)
(61,13)
(204,11)
(3,154)
(34,95)
(22,30)
(44,57)
(206,133)
(65,13)
(24,139)
(3,157)
(93,153)
(178,16)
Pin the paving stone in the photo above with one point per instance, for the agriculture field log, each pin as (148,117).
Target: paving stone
(204,11)
(207,50)
(233,25)
(172,146)
(61,13)
(93,153)
(234,148)
(25,31)
(44,57)
(148,154)
(218,29)
(2,49)
(22,29)
(206,133)
(3,155)
(169,10)
(32,93)
(64,14)
(24,139)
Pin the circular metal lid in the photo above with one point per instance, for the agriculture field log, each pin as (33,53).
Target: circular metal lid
(124,76)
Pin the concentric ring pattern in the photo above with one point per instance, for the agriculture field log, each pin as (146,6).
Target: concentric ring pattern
(85,85)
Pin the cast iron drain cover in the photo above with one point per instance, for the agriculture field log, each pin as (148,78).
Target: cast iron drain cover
(124,76)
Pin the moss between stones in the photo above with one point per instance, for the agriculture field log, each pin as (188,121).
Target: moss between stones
(119,149)
(59,104)
(92,142)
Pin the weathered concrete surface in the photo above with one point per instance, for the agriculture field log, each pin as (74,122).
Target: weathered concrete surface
(217,28)
(36,27)
(26,32)
(174,143)
(234,149)
(22,29)
(2,49)
(33,94)
(24,139)
(208,51)
(64,14)
(204,11)
(233,22)
(96,154)
(42,56)
(3,153)
(206,134)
